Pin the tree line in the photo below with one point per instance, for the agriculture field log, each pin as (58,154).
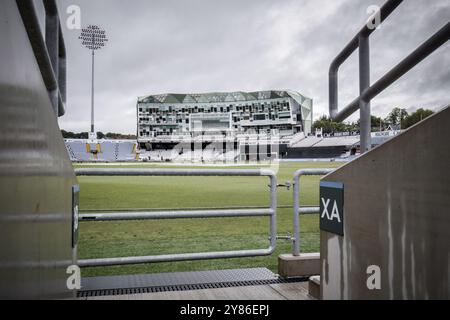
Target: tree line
(398,118)
(100,135)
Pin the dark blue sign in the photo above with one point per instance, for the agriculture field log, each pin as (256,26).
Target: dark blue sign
(332,207)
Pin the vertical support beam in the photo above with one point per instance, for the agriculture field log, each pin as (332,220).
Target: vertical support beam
(364,83)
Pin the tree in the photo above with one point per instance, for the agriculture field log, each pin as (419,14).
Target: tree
(329,126)
(118,136)
(397,117)
(416,117)
(71,135)
(377,123)
(66,135)
(326,124)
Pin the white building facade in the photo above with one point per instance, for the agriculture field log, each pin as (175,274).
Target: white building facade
(281,113)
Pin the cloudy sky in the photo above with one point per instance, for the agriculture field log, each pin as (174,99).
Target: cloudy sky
(195,46)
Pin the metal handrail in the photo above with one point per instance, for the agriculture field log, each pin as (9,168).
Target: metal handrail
(51,53)
(368,92)
(385,11)
(184,214)
(297,209)
(423,51)
(175,214)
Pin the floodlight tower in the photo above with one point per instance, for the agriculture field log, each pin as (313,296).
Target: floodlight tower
(93,38)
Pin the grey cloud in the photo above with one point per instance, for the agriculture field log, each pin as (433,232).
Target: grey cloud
(164,46)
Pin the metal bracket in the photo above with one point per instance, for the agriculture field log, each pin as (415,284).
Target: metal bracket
(287,185)
(288,237)
(75,209)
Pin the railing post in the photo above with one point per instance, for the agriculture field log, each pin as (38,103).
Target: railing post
(364,83)
(296,204)
(296,241)
(273,207)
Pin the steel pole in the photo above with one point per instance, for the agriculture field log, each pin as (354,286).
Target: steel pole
(296,222)
(364,83)
(92,94)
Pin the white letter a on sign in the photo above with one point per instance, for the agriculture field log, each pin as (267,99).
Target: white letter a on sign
(335,213)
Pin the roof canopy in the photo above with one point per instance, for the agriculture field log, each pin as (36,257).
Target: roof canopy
(218,97)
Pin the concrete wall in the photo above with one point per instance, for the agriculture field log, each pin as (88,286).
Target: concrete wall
(396,216)
(36,176)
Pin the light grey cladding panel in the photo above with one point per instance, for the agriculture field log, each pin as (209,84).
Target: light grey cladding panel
(397,217)
(36,176)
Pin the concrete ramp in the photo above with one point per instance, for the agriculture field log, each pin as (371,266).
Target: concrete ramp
(396,217)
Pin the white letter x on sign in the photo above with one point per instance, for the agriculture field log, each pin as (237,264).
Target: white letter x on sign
(325,208)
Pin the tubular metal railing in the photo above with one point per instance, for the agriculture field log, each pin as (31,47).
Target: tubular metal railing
(367,91)
(50,52)
(302,210)
(184,214)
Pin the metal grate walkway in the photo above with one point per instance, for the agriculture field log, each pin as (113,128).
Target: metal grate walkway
(179,281)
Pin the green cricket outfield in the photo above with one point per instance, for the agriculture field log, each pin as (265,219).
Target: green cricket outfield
(154,237)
